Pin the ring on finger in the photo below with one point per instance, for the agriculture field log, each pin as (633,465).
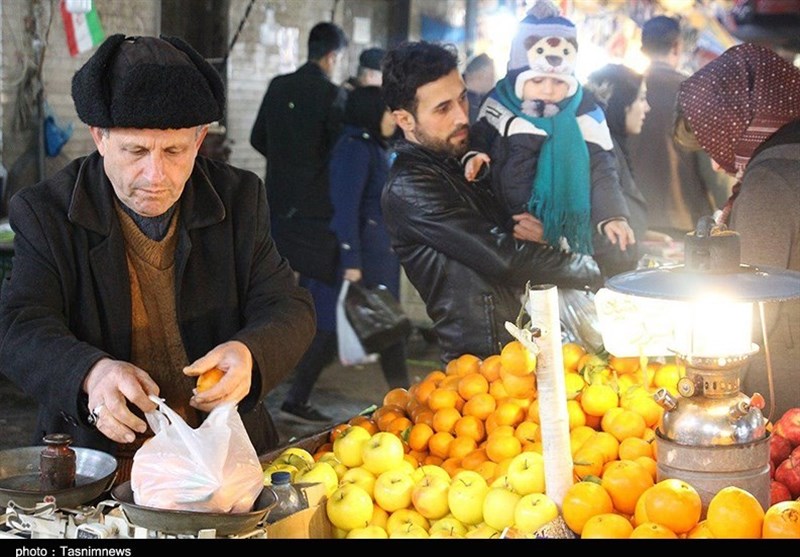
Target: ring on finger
(94,414)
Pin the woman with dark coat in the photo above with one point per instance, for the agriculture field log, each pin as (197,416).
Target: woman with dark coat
(358,170)
(622,94)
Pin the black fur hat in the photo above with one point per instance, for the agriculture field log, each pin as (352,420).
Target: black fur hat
(147,82)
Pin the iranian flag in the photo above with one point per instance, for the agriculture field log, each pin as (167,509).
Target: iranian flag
(83,30)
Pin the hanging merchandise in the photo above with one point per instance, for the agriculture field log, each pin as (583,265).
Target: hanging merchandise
(56,133)
(83,29)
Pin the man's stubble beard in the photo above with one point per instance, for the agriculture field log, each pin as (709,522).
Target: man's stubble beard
(444,146)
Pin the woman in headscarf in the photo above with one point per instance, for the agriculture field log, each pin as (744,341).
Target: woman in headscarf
(743,109)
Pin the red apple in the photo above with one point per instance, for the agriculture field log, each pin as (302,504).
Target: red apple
(788,473)
(789,426)
(778,492)
(779,448)
(771,470)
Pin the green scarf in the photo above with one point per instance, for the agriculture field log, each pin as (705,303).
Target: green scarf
(561,188)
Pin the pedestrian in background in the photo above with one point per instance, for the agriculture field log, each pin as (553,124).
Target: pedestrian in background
(369,69)
(479,77)
(299,120)
(358,170)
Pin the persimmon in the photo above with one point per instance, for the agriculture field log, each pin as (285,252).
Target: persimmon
(208,379)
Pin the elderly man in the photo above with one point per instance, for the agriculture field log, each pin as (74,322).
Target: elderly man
(142,265)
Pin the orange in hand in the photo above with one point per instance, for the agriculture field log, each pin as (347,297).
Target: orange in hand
(208,379)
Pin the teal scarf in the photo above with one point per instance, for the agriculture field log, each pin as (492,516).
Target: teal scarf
(561,188)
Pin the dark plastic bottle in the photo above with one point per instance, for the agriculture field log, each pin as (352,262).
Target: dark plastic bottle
(289,499)
(57,463)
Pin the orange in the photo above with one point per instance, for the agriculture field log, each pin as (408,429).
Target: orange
(625,481)
(461,447)
(400,426)
(518,386)
(640,511)
(424,390)
(516,359)
(649,464)
(501,447)
(735,513)
(597,398)
(701,531)
(509,413)
(574,383)
(445,419)
(418,456)
(607,526)
(501,430)
(582,501)
(577,417)
(480,406)
(533,411)
(423,416)
(579,436)
(497,389)
(439,445)
(782,520)
(472,460)
(419,436)
(608,417)
(528,432)
(627,424)
(365,422)
(490,367)
(412,459)
(667,377)
(572,353)
(472,384)
(398,396)
(488,470)
(606,443)
(385,415)
(470,426)
(436,376)
(587,461)
(466,364)
(336,431)
(653,530)
(450,382)
(648,409)
(432,459)
(442,398)
(675,504)
(208,379)
(633,447)
(451,465)
(624,365)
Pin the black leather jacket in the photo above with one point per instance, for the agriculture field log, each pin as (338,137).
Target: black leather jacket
(470,272)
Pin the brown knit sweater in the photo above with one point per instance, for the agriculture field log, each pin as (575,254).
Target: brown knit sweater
(156,344)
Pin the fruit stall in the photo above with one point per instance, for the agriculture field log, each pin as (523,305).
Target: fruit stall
(555,439)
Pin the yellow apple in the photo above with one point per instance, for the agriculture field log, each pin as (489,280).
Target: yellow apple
(392,490)
(526,473)
(498,507)
(429,470)
(302,453)
(533,511)
(406,466)
(320,472)
(449,525)
(465,496)
(278,468)
(384,451)
(482,531)
(403,517)
(429,497)
(349,507)
(293,460)
(361,477)
(347,447)
(367,532)
(331,459)
(409,531)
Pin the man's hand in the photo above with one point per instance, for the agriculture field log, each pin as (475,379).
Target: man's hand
(528,228)
(473,166)
(235,359)
(111,384)
(619,233)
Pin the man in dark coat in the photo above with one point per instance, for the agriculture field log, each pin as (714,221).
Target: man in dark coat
(143,265)
(299,121)
(447,232)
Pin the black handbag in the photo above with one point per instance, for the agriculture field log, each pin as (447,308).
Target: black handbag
(311,248)
(376,316)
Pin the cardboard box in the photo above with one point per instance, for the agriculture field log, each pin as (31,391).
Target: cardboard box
(310,523)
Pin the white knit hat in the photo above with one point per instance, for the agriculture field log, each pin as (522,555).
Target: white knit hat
(545,46)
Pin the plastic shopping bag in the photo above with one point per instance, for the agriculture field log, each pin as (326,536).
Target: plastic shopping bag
(579,321)
(213,468)
(351,351)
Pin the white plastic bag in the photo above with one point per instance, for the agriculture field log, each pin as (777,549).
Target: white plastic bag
(351,351)
(579,321)
(213,468)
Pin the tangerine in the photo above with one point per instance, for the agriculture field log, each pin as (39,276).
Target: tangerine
(782,520)
(675,504)
(735,513)
(501,447)
(597,398)
(490,367)
(365,422)
(625,481)
(461,447)
(607,526)
(445,419)
(466,364)
(627,424)
(471,426)
(398,396)
(480,406)
(439,446)
(633,447)
(572,353)
(582,501)
(653,530)
(208,379)
(516,359)
(442,398)
(472,384)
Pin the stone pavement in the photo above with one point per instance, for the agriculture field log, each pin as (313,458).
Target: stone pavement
(341,392)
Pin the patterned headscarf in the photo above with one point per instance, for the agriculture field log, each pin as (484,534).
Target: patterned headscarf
(735,102)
